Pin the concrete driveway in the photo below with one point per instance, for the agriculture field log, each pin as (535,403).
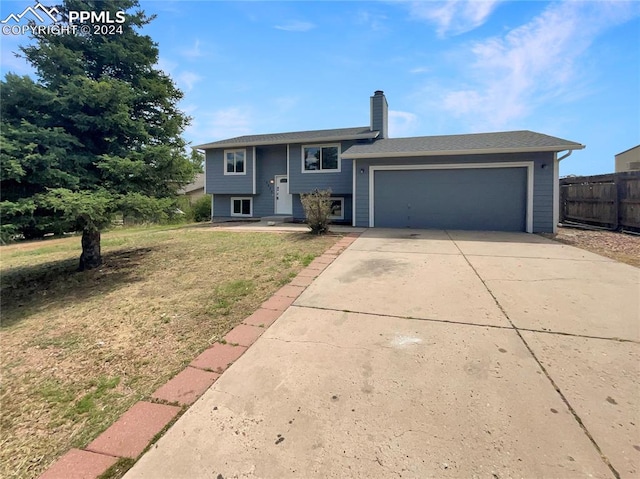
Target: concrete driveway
(431,354)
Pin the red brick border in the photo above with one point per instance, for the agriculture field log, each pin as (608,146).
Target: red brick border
(135,429)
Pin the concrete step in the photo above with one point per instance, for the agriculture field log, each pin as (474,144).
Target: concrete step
(276,219)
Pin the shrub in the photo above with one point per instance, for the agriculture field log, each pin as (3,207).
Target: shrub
(202,209)
(317,209)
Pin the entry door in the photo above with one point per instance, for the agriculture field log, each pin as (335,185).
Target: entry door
(284,201)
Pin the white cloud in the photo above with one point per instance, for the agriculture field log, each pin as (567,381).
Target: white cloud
(402,123)
(186,80)
(193,52)
(420,70)
(453,17)
(166,65)
(219,124)
(296,26)
(532,65)
(374,21)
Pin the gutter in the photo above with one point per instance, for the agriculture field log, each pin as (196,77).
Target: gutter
(479,151)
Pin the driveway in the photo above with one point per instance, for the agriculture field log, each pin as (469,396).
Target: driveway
(431,354)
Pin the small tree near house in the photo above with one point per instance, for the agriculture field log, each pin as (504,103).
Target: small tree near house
(317,210)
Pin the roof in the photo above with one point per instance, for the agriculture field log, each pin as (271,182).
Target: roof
(198,183)
(357,133)
(628,150)
(478,143)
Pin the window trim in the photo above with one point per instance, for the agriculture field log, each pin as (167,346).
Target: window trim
(341,200)
(321,145)
(240,198)
(224,162)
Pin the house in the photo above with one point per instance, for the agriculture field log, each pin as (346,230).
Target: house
(505,181)
(628,160)
(194,191)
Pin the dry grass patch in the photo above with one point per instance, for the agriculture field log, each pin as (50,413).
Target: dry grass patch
(623,247)
(78,349)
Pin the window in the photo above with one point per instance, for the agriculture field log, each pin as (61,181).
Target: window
(241,207)
(337,209)
(320,158)
(234,162)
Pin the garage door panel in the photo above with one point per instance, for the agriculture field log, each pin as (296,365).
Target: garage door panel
(468,199)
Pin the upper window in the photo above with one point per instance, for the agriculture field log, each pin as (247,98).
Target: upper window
(320,158)
(235,162)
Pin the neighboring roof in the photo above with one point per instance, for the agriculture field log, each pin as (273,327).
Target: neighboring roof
(626,151)
(357,133)
(198,183)
(479,143)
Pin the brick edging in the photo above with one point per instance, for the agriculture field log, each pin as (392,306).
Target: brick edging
(137,428)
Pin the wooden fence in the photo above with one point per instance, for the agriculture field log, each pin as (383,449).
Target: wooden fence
(610,201)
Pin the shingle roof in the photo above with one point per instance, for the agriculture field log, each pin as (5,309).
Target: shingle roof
(501,142)
(198,183)
(357,133)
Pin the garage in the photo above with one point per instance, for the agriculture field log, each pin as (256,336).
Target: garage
(463,198)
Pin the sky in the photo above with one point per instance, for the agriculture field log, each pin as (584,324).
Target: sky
(567,69)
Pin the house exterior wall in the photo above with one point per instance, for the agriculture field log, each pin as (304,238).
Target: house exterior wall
(298,211)
(270,161)
(195,195)
(628,160)
(543,200)
(216,182)
(340,182)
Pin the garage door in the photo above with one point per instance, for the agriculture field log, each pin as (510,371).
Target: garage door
(465,199)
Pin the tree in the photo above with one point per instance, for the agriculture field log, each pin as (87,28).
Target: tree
(317,210)
(98,132)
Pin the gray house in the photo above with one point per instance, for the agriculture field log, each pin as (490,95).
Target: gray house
(506,181)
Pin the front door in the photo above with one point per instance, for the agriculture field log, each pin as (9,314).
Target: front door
(284,201)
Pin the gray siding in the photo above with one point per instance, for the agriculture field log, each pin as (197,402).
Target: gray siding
(299,182)
(298,211)
(216,182)
(221,206)
(542,191)
(270,161)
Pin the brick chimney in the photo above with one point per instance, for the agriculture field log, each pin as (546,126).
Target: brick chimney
(380,114)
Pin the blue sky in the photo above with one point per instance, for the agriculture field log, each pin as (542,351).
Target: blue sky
(568,69)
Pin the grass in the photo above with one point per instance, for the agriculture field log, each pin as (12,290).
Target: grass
(78,349)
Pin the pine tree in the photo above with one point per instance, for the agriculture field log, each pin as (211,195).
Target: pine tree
(99,132)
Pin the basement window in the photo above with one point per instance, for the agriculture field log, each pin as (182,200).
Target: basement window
(241,207)
(337,209)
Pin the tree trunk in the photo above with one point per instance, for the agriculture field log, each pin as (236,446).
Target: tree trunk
(90,257)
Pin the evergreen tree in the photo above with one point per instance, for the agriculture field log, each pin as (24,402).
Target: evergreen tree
(99,132)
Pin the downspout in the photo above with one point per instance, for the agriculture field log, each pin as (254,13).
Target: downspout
(564,156)
(556,188)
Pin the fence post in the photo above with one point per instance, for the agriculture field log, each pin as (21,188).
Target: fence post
(616,202)
(563,194)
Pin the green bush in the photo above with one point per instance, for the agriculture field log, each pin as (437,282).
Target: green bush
(201,209)
(317,209)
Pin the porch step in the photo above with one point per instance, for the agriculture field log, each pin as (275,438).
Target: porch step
(276,219)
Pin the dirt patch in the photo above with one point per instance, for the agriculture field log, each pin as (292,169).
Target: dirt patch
(78,349)
(623,247)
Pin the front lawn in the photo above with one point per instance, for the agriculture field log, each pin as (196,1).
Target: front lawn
(78,349)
